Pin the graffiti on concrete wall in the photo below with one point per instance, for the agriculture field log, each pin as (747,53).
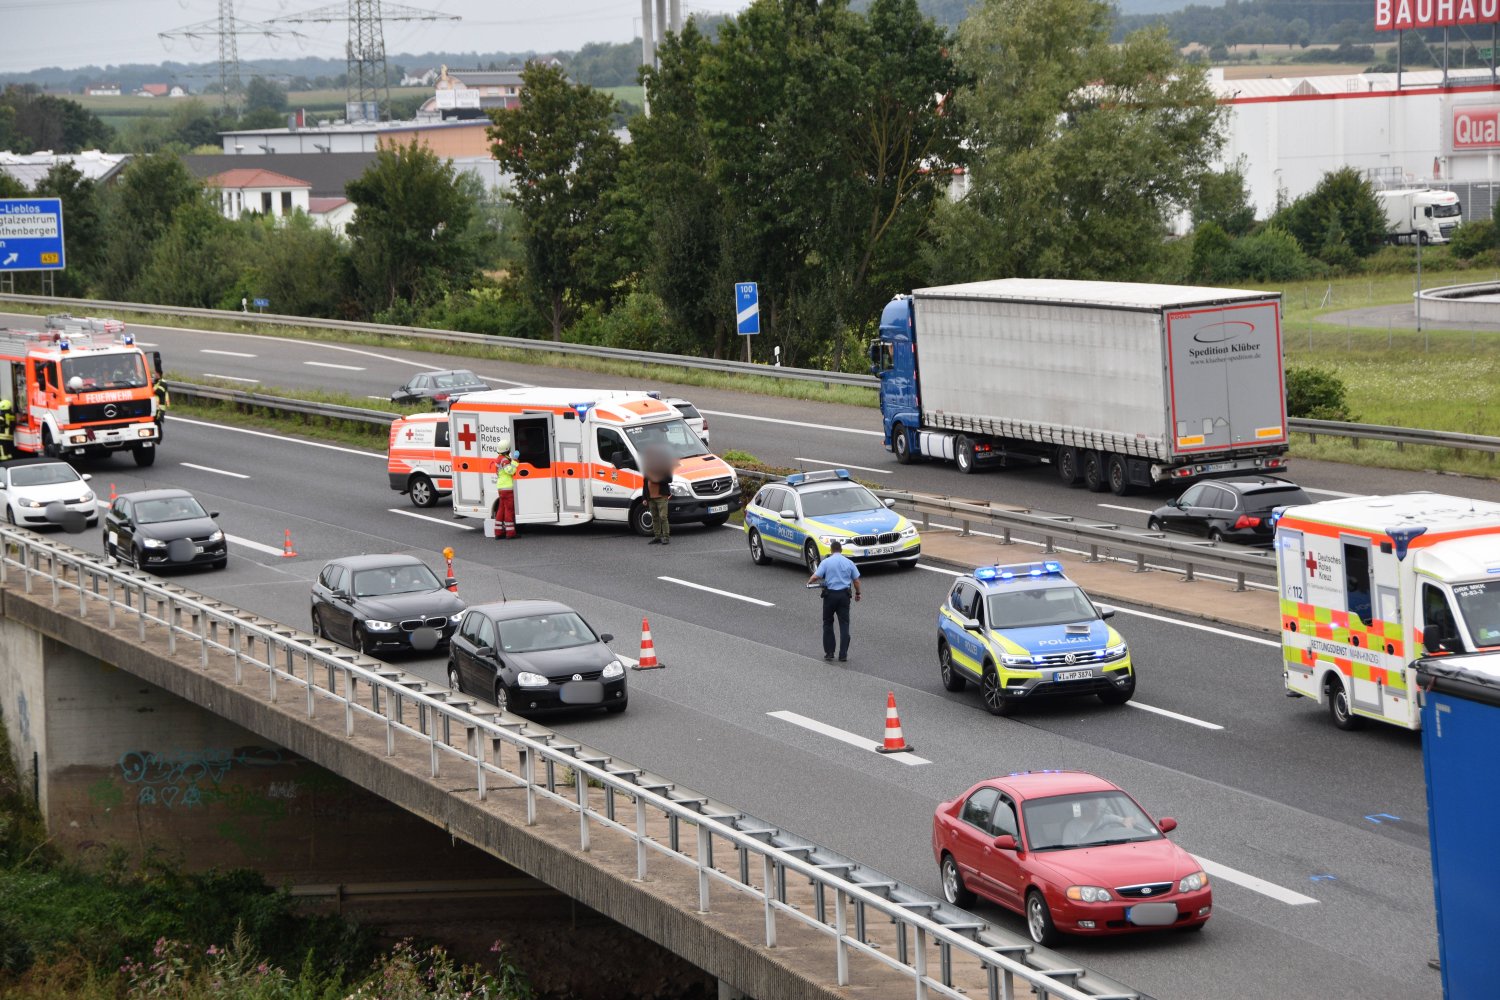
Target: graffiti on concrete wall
(23,718)
(186,779)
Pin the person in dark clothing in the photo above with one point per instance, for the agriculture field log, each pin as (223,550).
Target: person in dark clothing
(658,475)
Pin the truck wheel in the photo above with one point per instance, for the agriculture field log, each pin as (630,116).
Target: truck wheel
(144,456)
(422,492)
(901,444)
(1338,705)
(963,454)
(640,518)
(1094,477)
(1119,476)
(1067,466)
(49,446)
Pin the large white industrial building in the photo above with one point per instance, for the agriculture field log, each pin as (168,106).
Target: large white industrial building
(1288,132)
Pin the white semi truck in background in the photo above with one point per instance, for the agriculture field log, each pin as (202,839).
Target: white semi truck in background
(1118,385)
(1420,215)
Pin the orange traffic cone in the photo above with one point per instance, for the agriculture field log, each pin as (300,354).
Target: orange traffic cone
(112,493)
(287,551)
(894,741)
(452,582)
(648,649)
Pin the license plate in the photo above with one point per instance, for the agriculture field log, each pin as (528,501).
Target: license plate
(1152,914)
(722,508)
(581,693)
(1073,675)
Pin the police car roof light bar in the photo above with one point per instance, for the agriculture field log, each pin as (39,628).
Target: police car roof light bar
(821,475)
(1010,572)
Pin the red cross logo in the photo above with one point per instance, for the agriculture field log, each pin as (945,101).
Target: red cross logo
(1312,563)
(467,437)
(410,434)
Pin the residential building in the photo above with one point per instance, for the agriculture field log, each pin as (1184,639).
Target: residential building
(29,168)
(102,90)
(331,213)
(251,190)
(469,93)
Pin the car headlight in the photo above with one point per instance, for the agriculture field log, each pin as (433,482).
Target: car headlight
(827,540)
(153,543)
(614,669)
(453,618)
(217,536)
(1115,652)
(376,625)
(681,490)
(1016,661)
(527,679)
(1088,894)
(1193,882)
(31,503)
(87,498)
(910,531)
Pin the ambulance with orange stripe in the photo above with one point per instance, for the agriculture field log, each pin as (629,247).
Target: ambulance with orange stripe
(1370,585)
(582,452)
(418,460)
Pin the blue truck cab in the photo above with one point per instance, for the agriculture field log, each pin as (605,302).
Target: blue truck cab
(893,360)
(1024,632)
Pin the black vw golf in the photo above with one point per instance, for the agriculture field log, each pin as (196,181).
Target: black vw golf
(535,656)
(153,529)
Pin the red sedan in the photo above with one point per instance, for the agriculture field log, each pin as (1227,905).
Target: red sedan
(1071,852)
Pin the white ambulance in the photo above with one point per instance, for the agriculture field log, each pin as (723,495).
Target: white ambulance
(417,459)
(581,457)
(1369,585)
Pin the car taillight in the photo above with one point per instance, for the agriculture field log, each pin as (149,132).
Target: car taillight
(1246,521)
(440,396)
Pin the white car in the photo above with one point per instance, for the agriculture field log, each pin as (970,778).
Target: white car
(29,485)
(691,417)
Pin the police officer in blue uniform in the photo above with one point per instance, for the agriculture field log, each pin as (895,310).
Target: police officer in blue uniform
(839,576)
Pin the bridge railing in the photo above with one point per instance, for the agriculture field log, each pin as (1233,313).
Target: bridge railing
(850,905)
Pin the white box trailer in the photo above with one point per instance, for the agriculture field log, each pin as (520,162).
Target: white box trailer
(1420,215)
(1120,385)
(1371,585)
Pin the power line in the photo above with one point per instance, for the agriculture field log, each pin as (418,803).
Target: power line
(226,28)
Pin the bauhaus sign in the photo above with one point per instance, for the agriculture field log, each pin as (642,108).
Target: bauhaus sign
(1391,15)
(1476,126)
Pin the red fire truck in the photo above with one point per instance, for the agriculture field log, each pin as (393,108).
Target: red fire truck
(80,388)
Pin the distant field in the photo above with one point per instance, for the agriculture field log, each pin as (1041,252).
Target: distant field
(134,107)
(634,94)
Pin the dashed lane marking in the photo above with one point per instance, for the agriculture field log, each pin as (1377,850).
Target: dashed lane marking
(833,732)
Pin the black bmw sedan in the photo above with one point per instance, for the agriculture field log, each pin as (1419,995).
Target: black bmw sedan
(379,602)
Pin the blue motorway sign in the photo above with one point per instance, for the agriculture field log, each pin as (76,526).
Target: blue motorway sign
(260,303)
(31,234)
(747,307)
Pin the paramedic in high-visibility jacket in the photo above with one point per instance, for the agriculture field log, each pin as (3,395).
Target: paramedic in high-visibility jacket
(505,495)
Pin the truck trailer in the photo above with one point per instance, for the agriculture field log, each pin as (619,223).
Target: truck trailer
(1420,215)
(1117,385)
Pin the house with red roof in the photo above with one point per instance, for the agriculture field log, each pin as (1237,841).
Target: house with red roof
(252,190)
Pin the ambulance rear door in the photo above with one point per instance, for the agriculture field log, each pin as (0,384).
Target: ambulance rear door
(476,438)
(536,482)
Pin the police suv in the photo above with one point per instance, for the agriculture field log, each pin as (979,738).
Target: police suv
(799,520)
(1026,631)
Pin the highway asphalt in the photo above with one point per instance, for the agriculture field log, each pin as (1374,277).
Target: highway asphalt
(1314,898)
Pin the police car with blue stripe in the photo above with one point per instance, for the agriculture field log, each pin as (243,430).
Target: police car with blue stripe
(1026,631)
(799,519)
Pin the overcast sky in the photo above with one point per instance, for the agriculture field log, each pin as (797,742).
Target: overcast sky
(71,33)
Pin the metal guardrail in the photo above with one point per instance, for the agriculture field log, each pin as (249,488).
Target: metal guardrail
(1101,539)
(851,903)
(1400,436)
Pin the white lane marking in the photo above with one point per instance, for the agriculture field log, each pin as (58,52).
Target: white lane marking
(434,520)
(842,736)
(1146,614)
(227,354)
(383,398)
(842,465)
(269,550)
(1260,885)
(1331,493)
(1200,627)
(1173,715)
(328,364)
(219,472)
(279,437)
(506,381)
(721,593)
(143,343)
(790,423)
(1133,510)
(236,378)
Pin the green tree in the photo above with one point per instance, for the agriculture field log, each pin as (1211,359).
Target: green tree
(559,148)
(1223,199)
(83,226)
(1085,149)
(187,126)
(263,95)
(197,260)
(1342,209)
(294,262)
(137,210)
(410,239)
(41,121)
